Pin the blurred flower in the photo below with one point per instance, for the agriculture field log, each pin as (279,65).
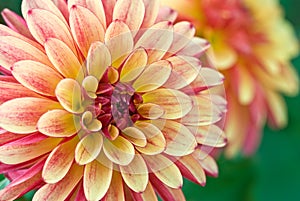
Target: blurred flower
(105,100)
(253,46)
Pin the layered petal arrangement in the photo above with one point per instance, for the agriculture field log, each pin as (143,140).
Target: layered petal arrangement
(105,100)
(253,46)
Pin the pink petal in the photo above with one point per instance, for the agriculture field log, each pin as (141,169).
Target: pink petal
(62,6)
(151,12)
(207,162)
(85,27)
(149,193)
(6,137)
(22,114)
(166,14)
(195,48)
(108,8)
(36,76)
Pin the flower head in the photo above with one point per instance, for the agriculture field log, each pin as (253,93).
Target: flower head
(253,46)
(105,100)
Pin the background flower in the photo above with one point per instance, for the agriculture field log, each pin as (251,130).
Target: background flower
(253,46)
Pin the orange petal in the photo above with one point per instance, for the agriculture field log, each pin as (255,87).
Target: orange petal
(88,148)
(13,49)
(59,162)
(184,71)
(175,103)
(180,141)
(153,77)
(156,142)
(119,151)
(68,93)
(97,178)
(119,41)
(150,111)
(149,194)
(59,123)
(135,136)
(27,148)
(134,65)
(36,76)
(11,89)
(165,170)
(63,59)
(151,12)
(98,60)
(61,189)
(116,190)
(135,174)
(22,114)
(85,27)
(44,24)
(156,40)
(131,12)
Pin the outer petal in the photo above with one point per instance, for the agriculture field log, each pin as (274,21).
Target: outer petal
(22,114)
(116,190)
(165,170)
(36,76)
(88,148)
(153,77)
(108,8)
(166,13)
(207,162)
(97,178)
(119,151)
(60,190)
(27,148)
(6,136)
(175,103)
(131,12)
(195,48)
(135,174)
(85,27)
(59,162)
(63,59)
(13,49)
(151,12)
(149,193)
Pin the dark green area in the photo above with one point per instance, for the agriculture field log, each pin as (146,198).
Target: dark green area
(272,174)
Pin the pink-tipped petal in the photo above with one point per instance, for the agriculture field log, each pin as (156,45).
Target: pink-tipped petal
(59,162)
(207,162)
(151,12)
(85,27)
(61,189)
(22,114)
(59,123)
(166,13)
(27,148)
(63,7)
(195,48)
(36,76)
(149,193)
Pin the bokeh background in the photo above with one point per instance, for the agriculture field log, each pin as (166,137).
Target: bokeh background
(273,173)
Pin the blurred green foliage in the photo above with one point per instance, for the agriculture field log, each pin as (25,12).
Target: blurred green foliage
(272,174)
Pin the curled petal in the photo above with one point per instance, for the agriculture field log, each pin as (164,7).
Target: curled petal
(150,111)
(22,114)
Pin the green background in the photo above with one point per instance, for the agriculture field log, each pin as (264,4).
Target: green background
(273,173)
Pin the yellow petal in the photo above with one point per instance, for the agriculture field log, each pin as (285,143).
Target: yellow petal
(150,111)
(135,136)
(116,189)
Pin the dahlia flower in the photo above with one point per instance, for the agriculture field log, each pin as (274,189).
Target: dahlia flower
(105,100)
(253,46)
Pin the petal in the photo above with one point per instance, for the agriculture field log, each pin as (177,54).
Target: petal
(59,123)
(63,7)
(150,111)
(180,141)
(195,48)
(207,162)
(13,49)
(6,136)
(119,151)
(175,103)
(119,41)
(61,189)
(165,170)
(224,56)
(156,40)
(27,148)
(85,27)
(153,77)
(192,169)
(88,148)
(22,114)
(23,183)
(166,13)
(135,136)
(68,93)
(184,71)
(116,190)
(135,174)
(98,60)
(148,194)
(131,12)
(63,59)
(36,76)
(108,8)
(59,162)
(16,22)
(156,142)
(134,65)
(43,25)
(97,178)
(210,135)
(10,90)
(151,12)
